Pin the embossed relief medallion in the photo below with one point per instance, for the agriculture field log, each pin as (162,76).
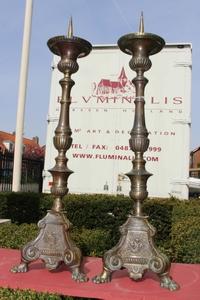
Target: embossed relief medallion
(136,253)
(136,244)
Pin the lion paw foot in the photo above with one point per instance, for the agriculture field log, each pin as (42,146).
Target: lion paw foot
(103,278)
(168,283)
(21,268)
(78,276)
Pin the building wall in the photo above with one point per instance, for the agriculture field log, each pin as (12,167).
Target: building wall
(195,159)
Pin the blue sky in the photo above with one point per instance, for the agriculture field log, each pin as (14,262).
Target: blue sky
(100,22)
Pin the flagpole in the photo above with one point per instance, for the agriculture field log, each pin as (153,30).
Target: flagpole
(16,184)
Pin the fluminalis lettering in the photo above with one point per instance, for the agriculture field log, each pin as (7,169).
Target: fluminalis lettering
(165,100)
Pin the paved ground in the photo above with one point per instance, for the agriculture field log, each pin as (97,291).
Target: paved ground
(121,287)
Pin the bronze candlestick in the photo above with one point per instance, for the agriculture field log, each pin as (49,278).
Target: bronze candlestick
(53,244)
(136,250)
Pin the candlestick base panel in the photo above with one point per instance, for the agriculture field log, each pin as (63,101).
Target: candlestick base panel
(53,246)
(137,253)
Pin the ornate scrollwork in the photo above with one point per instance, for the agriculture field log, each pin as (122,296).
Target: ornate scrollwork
(68,256)
(113,262)
(156,264)
(30,253)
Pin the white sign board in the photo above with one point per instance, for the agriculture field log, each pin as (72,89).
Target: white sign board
(102,115)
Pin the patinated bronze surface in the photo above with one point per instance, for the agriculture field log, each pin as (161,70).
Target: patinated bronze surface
(136,250)
(53,244)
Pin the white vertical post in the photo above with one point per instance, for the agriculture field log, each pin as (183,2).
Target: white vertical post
(16,184)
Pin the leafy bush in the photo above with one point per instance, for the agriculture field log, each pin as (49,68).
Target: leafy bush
(110,212)
(46,201)
(20,207)
(91,242)
(101,212)
(96,220)
(88,211)
(17,294)
(160,213)
(3,206)
(11,294)
(97,211)
(186,240)
(185,234)
(16,236)
(185,209)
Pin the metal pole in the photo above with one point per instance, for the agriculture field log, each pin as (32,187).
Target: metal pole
(16,184)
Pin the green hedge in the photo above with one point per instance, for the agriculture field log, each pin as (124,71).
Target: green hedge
(96,220)
(20,207)
(10,294)
(16,236)
(88,211)
(185,233)
(184,245)
(91,242)
(186,240)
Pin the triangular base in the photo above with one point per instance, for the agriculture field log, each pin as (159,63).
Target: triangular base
(53,245)
(137,253)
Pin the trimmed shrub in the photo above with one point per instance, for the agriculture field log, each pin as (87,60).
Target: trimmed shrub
(16,236)
(160,216)
(88,211)
(185,234)
(186,240)
(46,202)
(7,293)
(97,211)
(20,207)
(3,206)
(110,212)
(96,220)
(185,209)
(11,294)
(103,212)
(91,242)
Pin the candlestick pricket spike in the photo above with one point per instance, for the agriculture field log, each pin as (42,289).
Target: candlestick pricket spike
(70,29)
(141,26)
(53,244)
(136,250)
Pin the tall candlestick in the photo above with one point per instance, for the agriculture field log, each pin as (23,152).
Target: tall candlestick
(136,250)
(53,244)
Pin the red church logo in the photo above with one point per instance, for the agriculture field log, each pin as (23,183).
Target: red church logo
(121,86)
